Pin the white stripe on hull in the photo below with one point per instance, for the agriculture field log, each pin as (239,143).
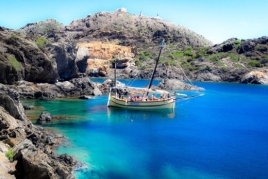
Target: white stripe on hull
(161,104)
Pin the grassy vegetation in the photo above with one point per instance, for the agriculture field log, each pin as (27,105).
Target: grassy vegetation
(10,155)
(261,47)
(171,62)
(145,55)
(254,63)
(188,51)
(177,54)
(237,43)
(14,62)
(233,56)
(14,36)
(186,65)
(186,58)
(41,42)
(138,63)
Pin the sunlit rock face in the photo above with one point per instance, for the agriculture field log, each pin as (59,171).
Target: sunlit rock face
(102,55)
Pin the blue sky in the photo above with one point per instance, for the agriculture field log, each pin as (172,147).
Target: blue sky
(216,20)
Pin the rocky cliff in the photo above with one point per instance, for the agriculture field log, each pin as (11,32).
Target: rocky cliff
(29,146)
(47,51)
(121,29)
(22,59)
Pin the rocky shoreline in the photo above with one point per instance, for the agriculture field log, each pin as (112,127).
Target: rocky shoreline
(31,146)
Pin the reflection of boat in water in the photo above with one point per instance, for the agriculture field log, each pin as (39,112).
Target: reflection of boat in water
(140,98)
(119,114)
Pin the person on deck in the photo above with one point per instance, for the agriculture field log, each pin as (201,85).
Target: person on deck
(153,97)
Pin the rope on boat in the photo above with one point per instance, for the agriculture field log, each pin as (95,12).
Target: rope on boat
(188,97)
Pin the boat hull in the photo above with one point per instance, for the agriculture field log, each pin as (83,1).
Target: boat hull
(159,104)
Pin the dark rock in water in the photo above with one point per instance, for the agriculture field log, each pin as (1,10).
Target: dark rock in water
(66,159)
(50,140)
(44,117)
(27,107)
(81,166)
(173,84)
(85,97)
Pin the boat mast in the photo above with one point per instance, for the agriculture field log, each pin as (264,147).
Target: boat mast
(114,72)
(151,81)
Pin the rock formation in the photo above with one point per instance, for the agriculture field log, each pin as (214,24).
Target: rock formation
(73,88)
(173,84)
(101,56)
(47,52)
(22,59)
(256,77)
(31,145)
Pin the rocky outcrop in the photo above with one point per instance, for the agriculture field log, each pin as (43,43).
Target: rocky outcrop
(64,55)
(125,29)
(31,145)
(6,167)
(44,117)
(22,59)
(73,88)
(12,105)
(256,77)
(35,163)
(100,57)
(173,84)
(88,46)
(82,58)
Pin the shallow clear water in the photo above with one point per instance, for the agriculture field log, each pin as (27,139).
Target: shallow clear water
(222,134)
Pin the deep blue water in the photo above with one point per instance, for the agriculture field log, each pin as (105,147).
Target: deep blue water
(222,134)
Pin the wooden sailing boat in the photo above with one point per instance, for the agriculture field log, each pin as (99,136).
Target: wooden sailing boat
(140,98)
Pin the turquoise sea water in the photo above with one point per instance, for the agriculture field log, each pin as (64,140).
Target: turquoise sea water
(223,134)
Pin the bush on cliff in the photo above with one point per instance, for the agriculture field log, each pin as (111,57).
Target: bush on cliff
(10,155)
(13,61)
(254,63)
(41,42)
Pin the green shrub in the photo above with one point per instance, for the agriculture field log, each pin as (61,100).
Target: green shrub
(13,61)
(200,54)
(254,63)
(234,57)
(186,65)
(177,54)
(237,43)
(10,155)
(14,36)
(145,55)
(188,51)
(171,62)
(41,42)
(138,62)
(214,58)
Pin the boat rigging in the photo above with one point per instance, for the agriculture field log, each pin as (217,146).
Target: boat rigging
(139,98)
